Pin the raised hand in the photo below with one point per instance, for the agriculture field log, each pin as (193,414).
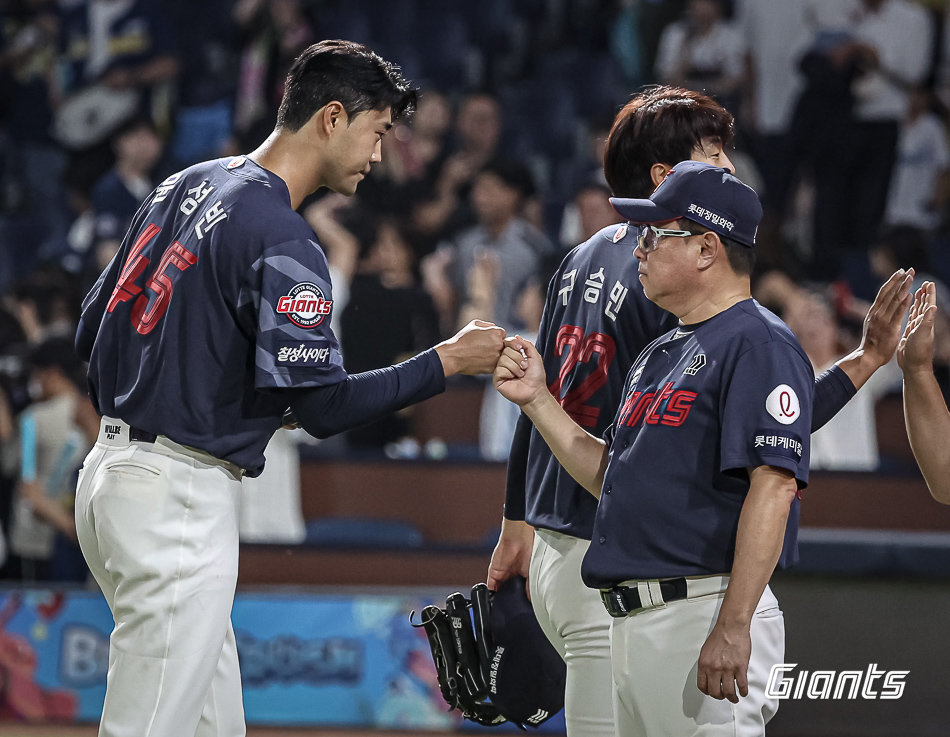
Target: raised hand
(916,347)
(882,325)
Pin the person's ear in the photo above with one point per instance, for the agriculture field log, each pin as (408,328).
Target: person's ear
(658,173)
(711,249)
(332,117)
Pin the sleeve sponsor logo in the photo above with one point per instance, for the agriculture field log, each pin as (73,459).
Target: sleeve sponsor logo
(305,305)
(302,354)
(782,403)
(789,446)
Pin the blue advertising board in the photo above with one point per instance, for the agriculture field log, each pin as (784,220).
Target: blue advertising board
(307,659)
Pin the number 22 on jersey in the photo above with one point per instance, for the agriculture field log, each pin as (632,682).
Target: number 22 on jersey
(146,313)
(580,349)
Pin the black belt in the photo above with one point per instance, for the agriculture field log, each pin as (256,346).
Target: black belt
(141,435)
(621,601)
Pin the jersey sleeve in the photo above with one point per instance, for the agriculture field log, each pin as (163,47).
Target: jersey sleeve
(833,390)
(295,346)
(767,410)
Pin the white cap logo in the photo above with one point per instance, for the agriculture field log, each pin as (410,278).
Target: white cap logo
(783,404)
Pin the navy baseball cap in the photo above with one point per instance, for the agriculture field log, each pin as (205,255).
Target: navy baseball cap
(527,675)
(709,195)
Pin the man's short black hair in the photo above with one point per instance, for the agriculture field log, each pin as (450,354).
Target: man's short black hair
(348,72)
(661,124)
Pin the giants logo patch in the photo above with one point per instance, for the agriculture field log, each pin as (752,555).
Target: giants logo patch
(782,403)
(305,305)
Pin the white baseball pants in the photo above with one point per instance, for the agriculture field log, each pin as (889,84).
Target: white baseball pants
(655,655)
(573,618)
(158,526)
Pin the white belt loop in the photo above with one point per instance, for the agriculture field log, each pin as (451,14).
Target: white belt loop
(643,589)
(656,595)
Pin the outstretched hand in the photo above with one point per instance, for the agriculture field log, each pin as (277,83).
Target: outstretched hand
(916,347)
(882,324)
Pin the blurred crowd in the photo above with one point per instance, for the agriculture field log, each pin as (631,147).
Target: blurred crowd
(841,111)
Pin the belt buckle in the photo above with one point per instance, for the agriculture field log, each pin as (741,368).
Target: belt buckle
(615,602)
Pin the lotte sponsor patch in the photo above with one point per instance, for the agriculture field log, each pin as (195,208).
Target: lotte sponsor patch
(782,403)
(305,305)
(770,443)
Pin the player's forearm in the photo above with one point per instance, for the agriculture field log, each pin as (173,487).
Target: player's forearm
(859,365)
(928,428)
(361,398)
(582,455)
(833,389)
(515,489)
(758,543)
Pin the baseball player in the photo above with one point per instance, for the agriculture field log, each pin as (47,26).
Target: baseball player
(925,411)
(596,321)
(211,321)
(697,473)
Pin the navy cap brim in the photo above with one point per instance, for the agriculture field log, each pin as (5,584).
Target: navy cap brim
(643,212)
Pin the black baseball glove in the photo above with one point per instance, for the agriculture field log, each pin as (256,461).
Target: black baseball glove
(461,648)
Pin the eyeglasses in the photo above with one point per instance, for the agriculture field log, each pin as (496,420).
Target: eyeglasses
(650,236)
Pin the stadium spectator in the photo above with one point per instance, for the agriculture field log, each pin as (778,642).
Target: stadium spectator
(43,530)
(477,141)
(412,158)
(273,32)
(204,117)
(883,54)
(587,213)
(703,51)
(32,200)
(919,187)
(384,314)
(117,195)
(388,318)
(502,248)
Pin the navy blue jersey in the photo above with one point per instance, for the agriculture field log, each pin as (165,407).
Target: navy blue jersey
(219,296)
(596,321)
(702,405)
